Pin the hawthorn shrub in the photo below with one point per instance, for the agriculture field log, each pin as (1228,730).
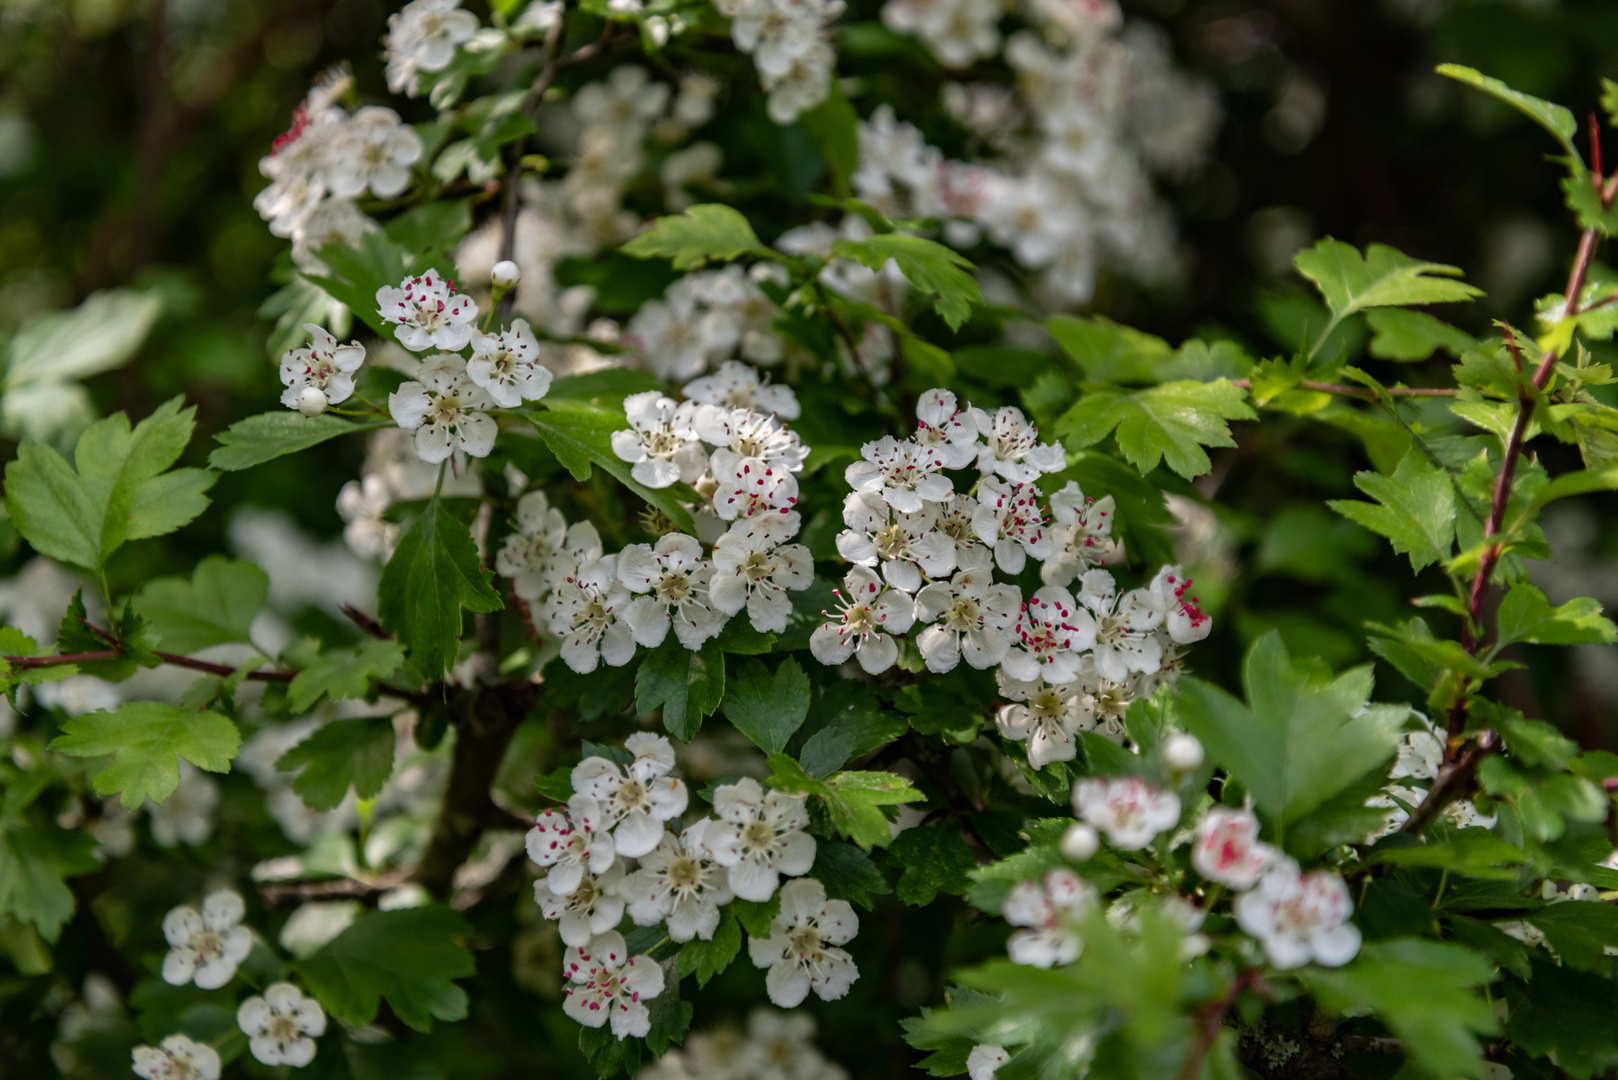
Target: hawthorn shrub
(780,607)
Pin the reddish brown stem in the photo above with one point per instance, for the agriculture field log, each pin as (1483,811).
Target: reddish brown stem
(1209,1020)
(1359,391)
(1453,778)
(1595,152)
(58,661)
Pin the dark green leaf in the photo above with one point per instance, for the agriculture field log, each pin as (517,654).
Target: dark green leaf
(408,956)
(848,873)
(1526,615)
(35,860)
(433,574)
(269,435)
(688,685)
(579,433)
(936,859)
(216,607)
(1581,931)
(357,752)
(705,959)
(930,266)
(768,708)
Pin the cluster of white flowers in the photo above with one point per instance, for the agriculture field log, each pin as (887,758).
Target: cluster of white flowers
(775,1046)
(1066,183)
(706,318)
(206,948)
(1421,753)
(926,553)
(788,41)
(620,847)
(424,36)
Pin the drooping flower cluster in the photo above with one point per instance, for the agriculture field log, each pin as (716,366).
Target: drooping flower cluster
(620,846)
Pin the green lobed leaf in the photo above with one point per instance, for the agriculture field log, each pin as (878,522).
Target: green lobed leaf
(147,739)
(687,685)
(1405,336)
(768,708)
(1414,509)
(1526,615)
(1555,119)
(1566,1012)
(1581,932)
(703,233)
(853,801)
(216,607)
(35,861)
(344,673)
(1382,277)
(356,752)
(270,435)
(432,575)
(936,859)
(408,957)
(1169,423)
(579,433)
(848,873)
(1108,351)
(929,266)
(852,724)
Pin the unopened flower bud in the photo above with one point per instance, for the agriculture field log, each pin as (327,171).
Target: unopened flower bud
(1080,842)
(505,274)
(1183,752)
(312,401)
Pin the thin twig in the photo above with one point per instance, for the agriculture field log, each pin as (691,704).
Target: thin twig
(1453,777)
(1361,392)
(1209,1021)
(365,622)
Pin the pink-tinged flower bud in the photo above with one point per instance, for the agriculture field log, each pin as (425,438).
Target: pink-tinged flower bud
(1183,753)
(1080,842)
(505,274)
(312,401)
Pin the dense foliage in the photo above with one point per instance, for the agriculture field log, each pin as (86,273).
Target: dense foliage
(750,540)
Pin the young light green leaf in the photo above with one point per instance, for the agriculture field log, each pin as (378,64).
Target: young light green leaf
(579,433)
(408,956)
(1415,509)
(1577,483)
(1526,615)
(1298,740)
(433,574)
(1169,423)
(1382,277)
(269,435)
(705,232)
(216,607)
(936,859)
(35,861)
(1404,335)
(768,708)
(929,266)
(357,751)
(344,673)
(1107,351)
(1553,118)
(688,685)
(147,739)
(852,800)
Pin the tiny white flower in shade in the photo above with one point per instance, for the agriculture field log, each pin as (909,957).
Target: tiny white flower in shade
(679,881)
(674,579)
(754,568)
(908,546)
(742,435)
(206,946)
(660,442)
(1080,530)
(862,626)
(1080,842)
(423,36)
(759,836)
(737,386)
(588,610)
(1047,911)
(507,365)
(526,554)
(1300,917)
(282,1025)
(505,274)
(428,312)
(177,1057)
(1183,752)
(373,149)
(902,474)
(1051,633)
(444,410)
(1183,619)
(1124,641)
(1127,809)
(801,950)
(571,843)
(985,1060)
(1227,848)
(593,906)
(636,801)
(1420,755)
(323,366)
(971,616)
(610,986)
(944,427)
(1009,519)
(1012,448)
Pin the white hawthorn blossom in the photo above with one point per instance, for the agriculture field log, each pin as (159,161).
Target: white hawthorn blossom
(1127,809)
(1011,447)
(1300,917)
(1047,910)
(679,881)
(660,442)
(985,1060)
(445,410)
(736,385)
(759,836)
(1227,848)
(674,335)
(801,950)
(507,365)
(1080,530)
(1008,518)
(971,616)
(177,1057)
(902,474)
(571,844)
(674,579)
(206,946)
(610,986)
(908,546)
(428,312)
(588,609)
(1183,619)
(593,906)
(754,489)
(373,149)
(943,426)
(1051,633)
(423,36)
(955,516)
(743,435)
(525,556)
(282,1025)
(636,800)
(323,366)
(1124,641)
(862,627)
(754,568)
(1049,717)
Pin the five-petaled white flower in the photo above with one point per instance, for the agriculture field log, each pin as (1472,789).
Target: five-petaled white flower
(908,546)
(1127,809)
(507,365)
(609,985)
(950,430)
(743,435)
(1079,531)
(1300,917)
(1227,848)
(800,951)
(176,1058)
(675,581)
(445,410)
(323,366)
(1009,519)
(593,906)
(759,837)
(862,627)
(971,616)
(1124,641)
(679,881)
(571,843)
(373,149)
(526,555)
(754,568)
(428,312)
(205,947)
(754,489)
(282,1026)
(737,386)
(1184,619)
(1047,911)
(1012,448)
(660,441)
(423,36)
(1047,716)
(588,610)
(635,801)
(901,473)
(1051,633)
